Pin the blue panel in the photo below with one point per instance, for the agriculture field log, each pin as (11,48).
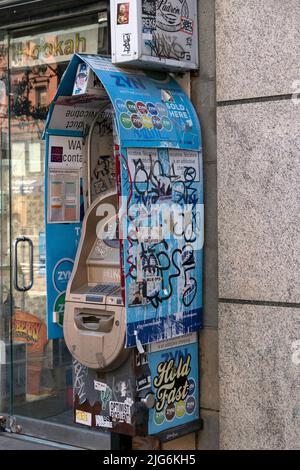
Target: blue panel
(163,278)
(175,382)
(61,246)
(152,110)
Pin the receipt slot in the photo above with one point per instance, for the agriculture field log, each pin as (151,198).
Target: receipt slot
(124,208)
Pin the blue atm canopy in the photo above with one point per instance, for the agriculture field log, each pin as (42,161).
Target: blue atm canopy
(151,108)
(151,111)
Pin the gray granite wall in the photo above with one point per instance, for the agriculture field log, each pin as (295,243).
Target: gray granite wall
(203,95)
(258,173)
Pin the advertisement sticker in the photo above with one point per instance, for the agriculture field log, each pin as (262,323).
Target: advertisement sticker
(174,373)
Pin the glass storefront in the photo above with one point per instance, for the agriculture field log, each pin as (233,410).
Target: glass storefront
(35,373)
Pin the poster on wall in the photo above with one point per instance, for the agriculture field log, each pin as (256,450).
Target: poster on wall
(65,163)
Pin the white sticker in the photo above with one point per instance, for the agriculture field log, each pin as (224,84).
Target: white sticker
(185,163)
(173,342)
(100,386)
(140,162)
(120,411)
(123,389)
(83,417)
(128,401)
(103,421)
(139,345)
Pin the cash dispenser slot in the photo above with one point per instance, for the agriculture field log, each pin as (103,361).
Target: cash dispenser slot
(95,321)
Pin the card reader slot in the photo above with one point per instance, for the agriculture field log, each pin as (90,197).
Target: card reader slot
(95,321)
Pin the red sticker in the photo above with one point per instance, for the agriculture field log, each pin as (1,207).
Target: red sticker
(186,25)
(123,13)
(141,107)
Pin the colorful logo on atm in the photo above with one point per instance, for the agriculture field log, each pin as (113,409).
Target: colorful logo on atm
(140,115)
(62,273)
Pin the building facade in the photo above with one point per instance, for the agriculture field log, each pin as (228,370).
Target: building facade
(245,94)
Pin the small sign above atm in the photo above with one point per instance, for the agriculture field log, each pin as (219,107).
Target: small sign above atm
(153,34)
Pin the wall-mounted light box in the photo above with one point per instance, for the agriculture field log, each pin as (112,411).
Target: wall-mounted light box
(157,34)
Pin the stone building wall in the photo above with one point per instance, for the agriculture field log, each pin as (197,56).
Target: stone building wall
(258,157)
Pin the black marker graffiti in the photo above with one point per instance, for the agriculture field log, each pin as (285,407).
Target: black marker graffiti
(104,124)
(127,42)
(104,174)
(80,373)
(149,7)
(161,262)
(189,42)
(165,46)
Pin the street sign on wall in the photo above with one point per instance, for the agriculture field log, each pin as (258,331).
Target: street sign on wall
(155,33)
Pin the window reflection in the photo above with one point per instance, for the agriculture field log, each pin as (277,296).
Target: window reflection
(41,369)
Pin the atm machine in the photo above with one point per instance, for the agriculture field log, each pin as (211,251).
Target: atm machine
(133,307)
(94,319)
(95,330)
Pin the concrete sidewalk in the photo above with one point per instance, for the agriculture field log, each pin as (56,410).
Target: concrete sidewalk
(19,442)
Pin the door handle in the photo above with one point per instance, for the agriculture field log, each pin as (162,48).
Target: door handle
(16,280)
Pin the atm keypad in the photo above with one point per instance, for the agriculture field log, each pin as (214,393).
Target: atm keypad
(104,289)
(105,293)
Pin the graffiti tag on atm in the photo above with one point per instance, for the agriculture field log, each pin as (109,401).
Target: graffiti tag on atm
(171,382)
(163,249)
(155,265)
(159,270)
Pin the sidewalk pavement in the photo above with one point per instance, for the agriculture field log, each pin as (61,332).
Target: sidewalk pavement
(17,442)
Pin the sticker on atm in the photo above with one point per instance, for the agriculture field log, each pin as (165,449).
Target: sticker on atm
(82,417)
(100,386)
(174,373)
(103,421)
(119,411)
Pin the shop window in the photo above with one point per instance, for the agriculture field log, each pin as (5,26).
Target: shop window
(41,97)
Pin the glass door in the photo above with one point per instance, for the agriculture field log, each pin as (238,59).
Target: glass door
(36,375)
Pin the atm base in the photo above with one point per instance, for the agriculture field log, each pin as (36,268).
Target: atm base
(166,380)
